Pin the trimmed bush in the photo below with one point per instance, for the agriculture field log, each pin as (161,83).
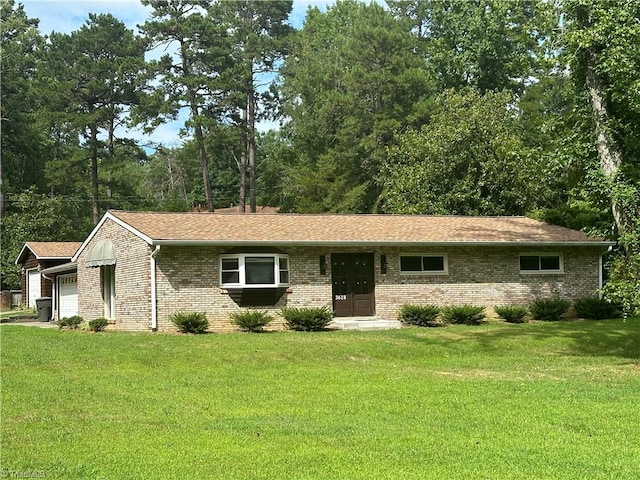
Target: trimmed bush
(71,322)
(251,320)
(307,319)
(512,313)
(549,309)
(595,308)
(190,322)
(98,324)
(420,315)
(463,314)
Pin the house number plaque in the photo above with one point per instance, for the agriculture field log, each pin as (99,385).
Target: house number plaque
(340,297)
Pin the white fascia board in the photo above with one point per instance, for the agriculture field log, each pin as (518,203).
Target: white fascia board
(53,258)
(65,267)
(108,216)
(21,252)
(312,243)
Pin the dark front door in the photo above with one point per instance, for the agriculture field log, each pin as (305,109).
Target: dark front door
(353,284)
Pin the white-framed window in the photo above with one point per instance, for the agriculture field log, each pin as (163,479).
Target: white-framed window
(541,263)
(254,270)
(432,264)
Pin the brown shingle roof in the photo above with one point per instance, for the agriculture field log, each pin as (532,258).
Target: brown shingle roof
(340,229)
(50,250)
(53,249)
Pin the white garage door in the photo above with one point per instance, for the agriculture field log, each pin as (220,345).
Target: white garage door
(68,288)
(33,286)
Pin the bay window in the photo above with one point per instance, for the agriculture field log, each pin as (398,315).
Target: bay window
(254,270)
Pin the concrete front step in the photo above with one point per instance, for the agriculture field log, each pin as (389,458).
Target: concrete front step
(363,323)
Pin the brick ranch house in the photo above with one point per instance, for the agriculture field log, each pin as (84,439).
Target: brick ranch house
(138,268)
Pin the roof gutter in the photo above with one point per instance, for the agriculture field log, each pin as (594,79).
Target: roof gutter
(361,243)
(65,267)
(154,307)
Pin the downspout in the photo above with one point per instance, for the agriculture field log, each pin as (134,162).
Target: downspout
(154,310)
(600,263)
(600,270)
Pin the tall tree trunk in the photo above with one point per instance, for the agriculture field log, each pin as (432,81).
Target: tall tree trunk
(195,117)
(1,194)
(202,157)
(609,155)
(94,173)
(112,154)
(242,166)
(251,144)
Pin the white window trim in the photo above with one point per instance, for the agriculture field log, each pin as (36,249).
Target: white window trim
(560,271)
(241,269)
(108,293)
(444,256)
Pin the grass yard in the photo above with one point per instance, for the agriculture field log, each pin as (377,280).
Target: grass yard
(497,401)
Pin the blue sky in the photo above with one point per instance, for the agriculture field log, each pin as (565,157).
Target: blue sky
(68,15)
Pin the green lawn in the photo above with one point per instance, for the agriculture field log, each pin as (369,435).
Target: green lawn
(538,401)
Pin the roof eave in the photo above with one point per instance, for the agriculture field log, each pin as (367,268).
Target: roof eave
(24,247)
(360,243)
(39,257)
(65,267)
(65,257)
(109,216)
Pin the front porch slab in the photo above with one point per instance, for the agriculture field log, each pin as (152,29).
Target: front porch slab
(364,323)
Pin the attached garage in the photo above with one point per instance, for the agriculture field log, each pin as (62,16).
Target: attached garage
(65,290)
(67,295)
(35,260)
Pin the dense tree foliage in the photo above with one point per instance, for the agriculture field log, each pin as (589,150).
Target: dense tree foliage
(351,83)
(255,33)
(24,145)
(91,77)
(487,44)
(602,37)
(187,78)
(469,160)
(414,106)
(37,218)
